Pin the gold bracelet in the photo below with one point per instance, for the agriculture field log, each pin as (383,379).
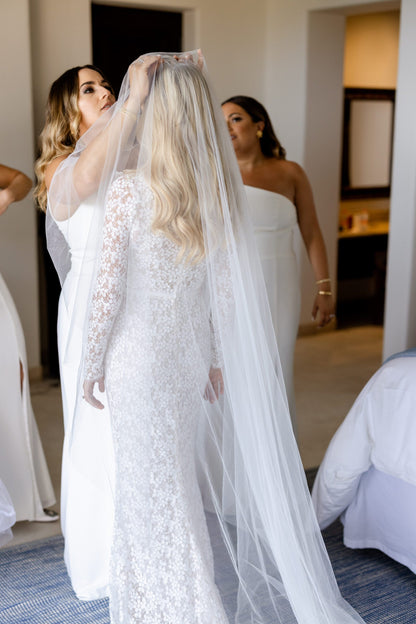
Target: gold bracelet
(126,111)
(322,281)
(325,292)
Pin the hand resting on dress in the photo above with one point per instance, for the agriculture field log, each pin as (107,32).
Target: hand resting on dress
(89,392)
(215,386)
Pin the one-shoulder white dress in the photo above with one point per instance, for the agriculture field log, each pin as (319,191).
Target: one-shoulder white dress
(87,505)
(275,221)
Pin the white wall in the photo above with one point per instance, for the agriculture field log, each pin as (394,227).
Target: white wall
(323,138)
(60,39)
(400,310)
(231,35)
(18,236)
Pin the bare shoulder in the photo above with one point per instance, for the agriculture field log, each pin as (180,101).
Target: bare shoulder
(287,170)
(294,170)
(51,168)
(299,179)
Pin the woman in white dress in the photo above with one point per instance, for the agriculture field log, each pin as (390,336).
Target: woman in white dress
(280,199)
(7,515)
(78,99)
(23,468)
(180,337)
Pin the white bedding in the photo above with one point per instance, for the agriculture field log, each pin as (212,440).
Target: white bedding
(368,475)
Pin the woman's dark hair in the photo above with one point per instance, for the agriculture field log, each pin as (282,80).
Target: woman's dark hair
(269,143)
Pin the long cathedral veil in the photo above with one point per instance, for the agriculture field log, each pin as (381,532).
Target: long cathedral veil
(249,469)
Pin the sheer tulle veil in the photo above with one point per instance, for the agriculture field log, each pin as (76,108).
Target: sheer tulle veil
(250,473)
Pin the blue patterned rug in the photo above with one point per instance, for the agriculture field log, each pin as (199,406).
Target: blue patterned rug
(35,588)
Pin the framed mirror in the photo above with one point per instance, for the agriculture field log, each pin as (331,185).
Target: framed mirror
(367,142)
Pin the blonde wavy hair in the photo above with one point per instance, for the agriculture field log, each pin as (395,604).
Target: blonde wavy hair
(61,130)
(183,115)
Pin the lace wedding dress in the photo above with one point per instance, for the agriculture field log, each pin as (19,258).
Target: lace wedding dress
(162,568)
(158,325)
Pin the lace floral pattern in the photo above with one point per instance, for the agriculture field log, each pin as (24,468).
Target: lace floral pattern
(150,332)
(111,277)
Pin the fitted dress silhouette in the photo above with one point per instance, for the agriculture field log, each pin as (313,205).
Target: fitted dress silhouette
(275,222)
(152,347)
(87,504)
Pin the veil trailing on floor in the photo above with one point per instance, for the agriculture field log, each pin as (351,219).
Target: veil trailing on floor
(176,145)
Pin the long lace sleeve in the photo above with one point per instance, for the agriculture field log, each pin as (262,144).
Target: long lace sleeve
(109,286)
(222,308)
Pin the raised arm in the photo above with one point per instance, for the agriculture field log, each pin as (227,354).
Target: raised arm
(82,175)
(14,186)
(110,283)
(87,171)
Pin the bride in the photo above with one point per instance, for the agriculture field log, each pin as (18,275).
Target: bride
(180,337)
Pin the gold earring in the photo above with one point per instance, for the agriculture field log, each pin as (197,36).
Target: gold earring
(259,134)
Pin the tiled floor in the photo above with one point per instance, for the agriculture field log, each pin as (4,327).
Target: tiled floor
(330,370)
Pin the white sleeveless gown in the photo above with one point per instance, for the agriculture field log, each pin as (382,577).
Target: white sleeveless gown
(275,221)
(7,515)
(87,505)
(23,468)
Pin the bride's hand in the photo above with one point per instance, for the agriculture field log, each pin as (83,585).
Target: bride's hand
(215,386)
(89,392)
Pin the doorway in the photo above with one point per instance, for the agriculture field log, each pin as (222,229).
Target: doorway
(322,159)
(370,77)
(121,34)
